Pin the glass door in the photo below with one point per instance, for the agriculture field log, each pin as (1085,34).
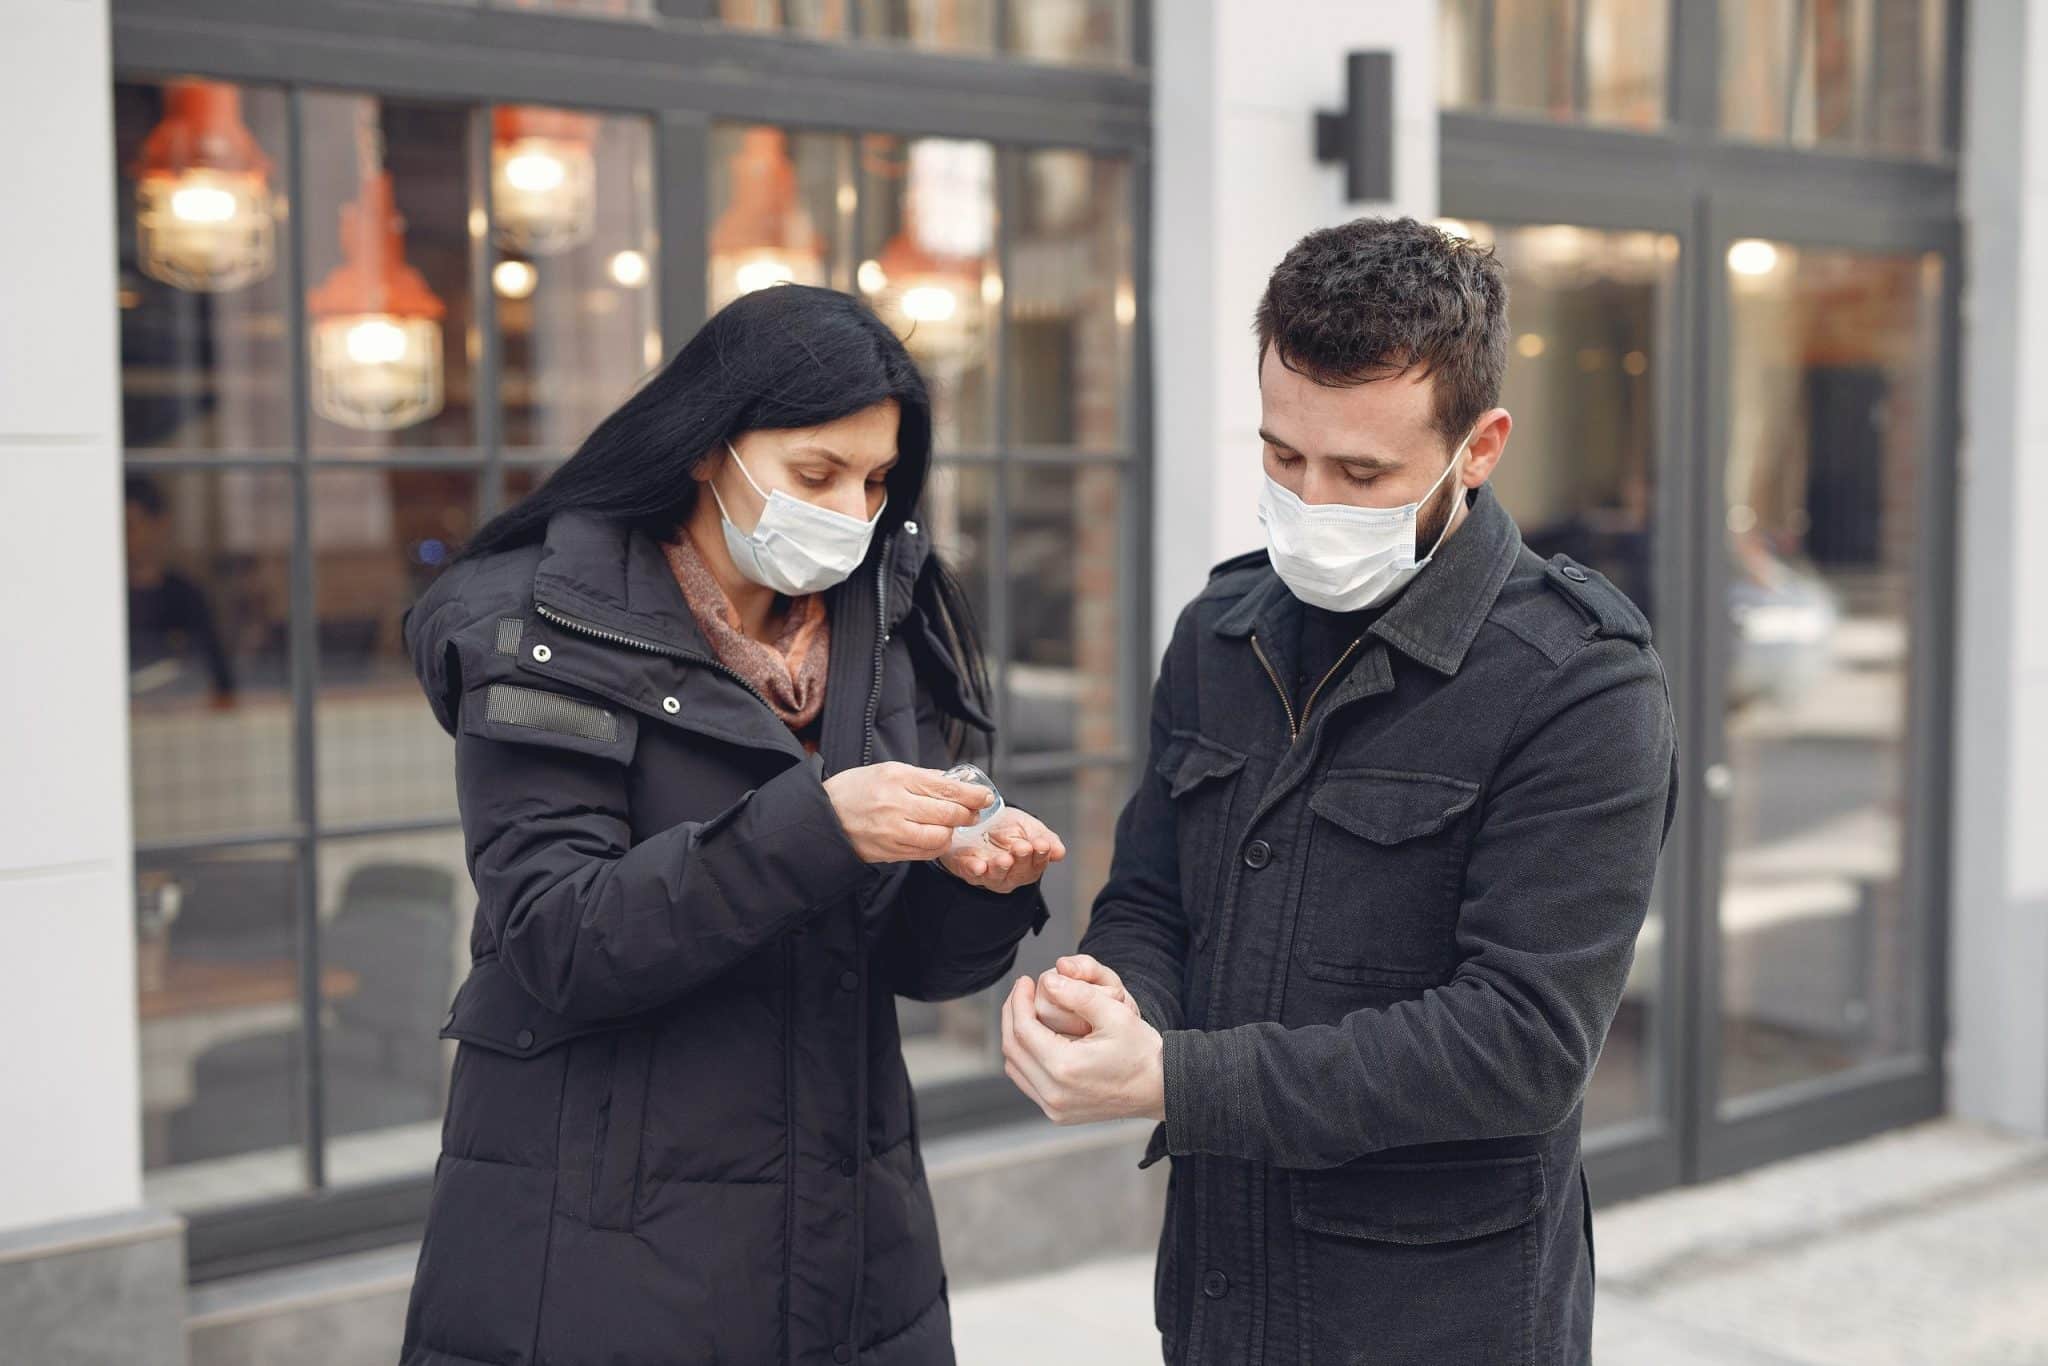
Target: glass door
(1828,468)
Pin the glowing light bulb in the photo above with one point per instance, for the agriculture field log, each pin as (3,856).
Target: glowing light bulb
(1752,256)
(930,303)
(629,269)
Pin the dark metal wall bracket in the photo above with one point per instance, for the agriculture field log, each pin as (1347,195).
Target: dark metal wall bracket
(1361,135)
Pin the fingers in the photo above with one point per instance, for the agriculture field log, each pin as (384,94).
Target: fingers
(1055,1016)
(1100,1009)
(938,810)
(1020,1063)
(930,783)
(1085,968)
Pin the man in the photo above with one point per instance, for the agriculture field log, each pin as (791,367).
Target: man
(1376,896)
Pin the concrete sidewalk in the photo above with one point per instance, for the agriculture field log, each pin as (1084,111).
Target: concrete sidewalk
(1926,1246)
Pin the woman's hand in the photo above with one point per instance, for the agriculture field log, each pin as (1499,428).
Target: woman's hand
(1015,854)
(893,813)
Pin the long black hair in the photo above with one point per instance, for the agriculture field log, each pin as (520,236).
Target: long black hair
(789,356)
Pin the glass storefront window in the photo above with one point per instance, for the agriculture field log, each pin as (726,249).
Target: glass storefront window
(1072,307)
(927,248)
(1857,75)
(394,916)
(1590,310)
(1067,32)
(209,664)
(1066,607)
(1831,355)
(1070,31)
(1590,61)
(221,1049)
(574,269)
(379,537)
(204,267)
(388,243)
(781,210)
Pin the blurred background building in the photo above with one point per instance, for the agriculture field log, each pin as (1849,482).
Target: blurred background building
(301,291)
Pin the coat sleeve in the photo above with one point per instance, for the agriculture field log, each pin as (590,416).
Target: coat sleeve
(595,926)
(1138,927)
(947,938)
(1557,882)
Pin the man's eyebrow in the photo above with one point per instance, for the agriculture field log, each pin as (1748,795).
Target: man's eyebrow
(1374,463)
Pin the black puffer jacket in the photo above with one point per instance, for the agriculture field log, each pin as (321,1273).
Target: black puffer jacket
(679,1126)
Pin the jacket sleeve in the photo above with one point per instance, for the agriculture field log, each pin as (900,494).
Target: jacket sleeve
(1557,882)
(947,938)
(595,926)
(1138,927)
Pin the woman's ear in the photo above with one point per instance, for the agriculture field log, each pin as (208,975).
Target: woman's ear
(709,464)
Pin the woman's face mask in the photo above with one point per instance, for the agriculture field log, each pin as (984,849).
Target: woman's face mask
(1343,558)
(796,547)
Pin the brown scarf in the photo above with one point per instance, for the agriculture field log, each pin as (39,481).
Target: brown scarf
(790,673)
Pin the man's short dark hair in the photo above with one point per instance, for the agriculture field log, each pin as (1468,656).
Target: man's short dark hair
(1376,297)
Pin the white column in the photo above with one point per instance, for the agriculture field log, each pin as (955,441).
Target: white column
(1998,1061)
(68,1118)
(1237,84)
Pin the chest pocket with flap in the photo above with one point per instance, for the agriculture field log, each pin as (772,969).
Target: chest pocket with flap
(1386,857)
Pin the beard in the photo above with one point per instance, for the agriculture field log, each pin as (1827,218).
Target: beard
(1431,521)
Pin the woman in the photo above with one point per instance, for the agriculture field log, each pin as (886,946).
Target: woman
(696,750)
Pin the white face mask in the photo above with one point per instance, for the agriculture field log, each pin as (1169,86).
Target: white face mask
(796,547)
(1343,558)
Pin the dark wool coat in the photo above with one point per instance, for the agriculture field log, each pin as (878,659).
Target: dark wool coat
(679,1128)
(1384,938)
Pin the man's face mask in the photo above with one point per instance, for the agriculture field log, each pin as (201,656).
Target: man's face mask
(1343,558)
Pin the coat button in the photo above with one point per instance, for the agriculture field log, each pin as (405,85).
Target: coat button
(910,527)
(1574,573)
(525,1039)
(848,1167)
(842,1353)
(670,705)
(848,981)
(1215,1285)
(542,654)
(1258,854)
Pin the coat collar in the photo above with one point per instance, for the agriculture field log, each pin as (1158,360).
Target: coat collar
(1436,617)
(605,574)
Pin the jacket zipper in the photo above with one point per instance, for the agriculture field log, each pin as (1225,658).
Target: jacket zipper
(1294,728)
(867,743)
(666,652)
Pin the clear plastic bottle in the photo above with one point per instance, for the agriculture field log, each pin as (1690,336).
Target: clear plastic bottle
(977,832)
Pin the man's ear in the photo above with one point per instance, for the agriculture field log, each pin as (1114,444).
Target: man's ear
(1489,444)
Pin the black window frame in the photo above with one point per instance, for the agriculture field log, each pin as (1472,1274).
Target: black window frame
(684,71)
(1689,178)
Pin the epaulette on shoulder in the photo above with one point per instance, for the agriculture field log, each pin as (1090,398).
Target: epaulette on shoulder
(1251,559)
(1605,607)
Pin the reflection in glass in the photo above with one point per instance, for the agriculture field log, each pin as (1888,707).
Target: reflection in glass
(202,274)
(946,25)
(781,210)
(818,18)
(1595,61)
(1066,607)
(576,313)
(1830,356)
(1861,74)
(957,512)
(379,538)
(1071,301)
(209,589)
(217,987)
(1589,312)
(1070,30)
(388,250)
(928,266)
(395,915)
